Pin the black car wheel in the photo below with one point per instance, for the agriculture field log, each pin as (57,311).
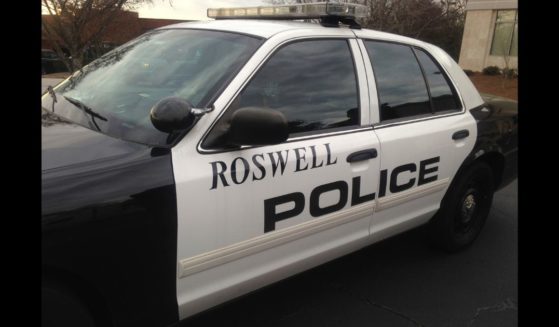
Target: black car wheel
(464,209)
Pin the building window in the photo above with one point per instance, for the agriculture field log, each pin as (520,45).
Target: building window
(505,38)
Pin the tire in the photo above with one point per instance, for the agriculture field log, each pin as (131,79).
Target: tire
(464,209)
(60,308)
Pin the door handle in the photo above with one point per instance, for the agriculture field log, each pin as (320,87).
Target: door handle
(461,134)
(362,155)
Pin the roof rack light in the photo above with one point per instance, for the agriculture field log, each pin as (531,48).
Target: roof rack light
(295,11)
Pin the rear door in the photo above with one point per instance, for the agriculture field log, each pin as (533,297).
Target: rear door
(251,215)
(424,132)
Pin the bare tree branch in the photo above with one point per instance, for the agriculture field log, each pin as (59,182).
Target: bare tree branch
(437,22)
(76,25)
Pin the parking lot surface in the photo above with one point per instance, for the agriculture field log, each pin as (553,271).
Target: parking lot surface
(398,282)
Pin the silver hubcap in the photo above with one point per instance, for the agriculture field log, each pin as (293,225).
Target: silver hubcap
(468,208)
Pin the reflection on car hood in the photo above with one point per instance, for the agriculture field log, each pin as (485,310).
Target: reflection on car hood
(83,168)
(67,144)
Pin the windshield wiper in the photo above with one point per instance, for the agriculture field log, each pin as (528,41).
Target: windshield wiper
(50,91)
(87,110)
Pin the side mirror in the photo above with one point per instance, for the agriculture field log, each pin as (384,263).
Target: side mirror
(172,114)
(257,126)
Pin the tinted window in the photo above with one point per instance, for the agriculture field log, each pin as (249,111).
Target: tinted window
(312,83)
(400,83)
(441,93)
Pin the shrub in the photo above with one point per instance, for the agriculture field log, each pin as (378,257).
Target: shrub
(491,70)
(510,73)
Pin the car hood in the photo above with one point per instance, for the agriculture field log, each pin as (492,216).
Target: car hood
(68,144)
(83,168)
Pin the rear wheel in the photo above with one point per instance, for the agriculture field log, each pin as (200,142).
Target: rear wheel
(464,209)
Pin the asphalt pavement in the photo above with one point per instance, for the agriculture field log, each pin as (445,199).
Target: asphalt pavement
(398,282)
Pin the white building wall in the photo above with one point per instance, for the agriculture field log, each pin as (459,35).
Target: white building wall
(478,35)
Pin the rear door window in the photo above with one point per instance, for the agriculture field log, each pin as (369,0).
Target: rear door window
(442,94)
(401,87)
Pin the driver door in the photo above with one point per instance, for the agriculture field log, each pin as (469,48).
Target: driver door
(250,215)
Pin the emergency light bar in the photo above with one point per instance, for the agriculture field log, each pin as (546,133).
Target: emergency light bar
(294,11)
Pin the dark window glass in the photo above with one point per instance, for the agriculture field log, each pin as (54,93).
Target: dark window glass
(441,93)
(400,84)
(312,83)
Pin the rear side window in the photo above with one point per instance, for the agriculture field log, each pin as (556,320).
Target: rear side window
(442,94)
(401,87)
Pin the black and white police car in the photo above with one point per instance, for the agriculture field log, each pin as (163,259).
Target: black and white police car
(204,160)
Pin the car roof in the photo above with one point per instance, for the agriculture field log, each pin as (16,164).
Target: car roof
(261,28)
(266,28)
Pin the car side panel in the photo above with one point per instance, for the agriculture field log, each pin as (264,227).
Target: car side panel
(109,235)
(497,122)
(415,143)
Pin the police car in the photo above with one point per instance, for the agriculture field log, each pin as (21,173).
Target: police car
(204,160)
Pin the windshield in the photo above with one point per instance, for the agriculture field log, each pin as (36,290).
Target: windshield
(123,85)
